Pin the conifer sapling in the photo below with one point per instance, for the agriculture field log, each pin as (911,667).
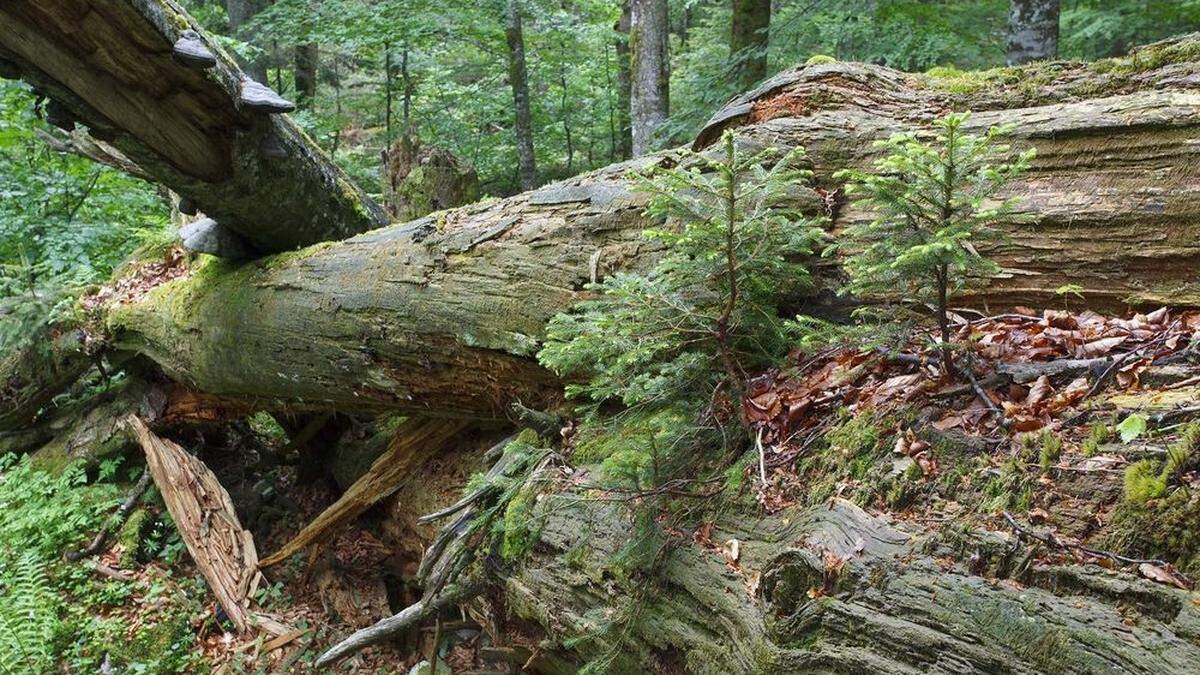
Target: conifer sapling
(707,312)
(933,202)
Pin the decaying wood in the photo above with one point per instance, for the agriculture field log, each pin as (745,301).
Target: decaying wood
(834,589)
(415,440)
(207,522)
(117,67)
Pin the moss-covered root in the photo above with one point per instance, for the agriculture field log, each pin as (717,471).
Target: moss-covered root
(834,589)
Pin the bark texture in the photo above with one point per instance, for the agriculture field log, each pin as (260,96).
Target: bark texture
(111,65)
(748,40)
(518,79)
(902,601)
(649,72)
(307,58)
(624,131)
(420,179)
(1032,30)
(443,315)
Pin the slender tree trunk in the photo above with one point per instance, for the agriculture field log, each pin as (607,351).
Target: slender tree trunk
(241,12)
(565,109)
(408,87)
(387,95)
(650,74)
(624,79)
(307,59)
(748,41)
(1032,30)
(518,78)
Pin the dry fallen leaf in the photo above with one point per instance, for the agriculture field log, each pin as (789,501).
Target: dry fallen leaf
(1165,575)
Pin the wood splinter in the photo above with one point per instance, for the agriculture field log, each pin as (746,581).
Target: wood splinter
(191,51)
(259,97)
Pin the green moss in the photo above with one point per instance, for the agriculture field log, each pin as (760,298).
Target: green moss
(1182,455)
(1051,449)
(521,526)
(1167,528)
(1150,57)
(819,60)
(130,537)
(1098,434)
(856,435)
(1143,482)
(955,81)
(1009,488)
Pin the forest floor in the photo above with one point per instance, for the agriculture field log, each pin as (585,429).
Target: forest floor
(1075,433)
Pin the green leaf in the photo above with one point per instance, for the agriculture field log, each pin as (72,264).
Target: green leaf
(1132,427)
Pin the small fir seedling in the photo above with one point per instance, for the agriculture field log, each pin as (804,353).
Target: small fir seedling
(934,202)
(708,312)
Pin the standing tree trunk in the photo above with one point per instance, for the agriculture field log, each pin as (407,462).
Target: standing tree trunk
(748,41)
(650,75)
(625,133)
(1032,30)
(518,78)
(307,58)
(241,12)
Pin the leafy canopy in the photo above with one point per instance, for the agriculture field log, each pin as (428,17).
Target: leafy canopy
(933,202)
(707,312)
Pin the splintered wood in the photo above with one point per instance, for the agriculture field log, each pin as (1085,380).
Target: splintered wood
(417,439)
(207,523)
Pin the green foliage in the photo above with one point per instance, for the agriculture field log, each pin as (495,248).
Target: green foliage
(933,203)
(1144,481)
(73,615)
(1098,434)
(29,615)
(707,312)
(65,222)
(1131,427)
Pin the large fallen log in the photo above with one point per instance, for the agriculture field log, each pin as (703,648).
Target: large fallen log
(142,76)
(833,589)
(442,315)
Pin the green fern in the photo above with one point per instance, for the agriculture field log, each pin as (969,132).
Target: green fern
(29,616)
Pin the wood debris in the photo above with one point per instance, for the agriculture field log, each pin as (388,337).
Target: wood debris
(202,511)
(418,439)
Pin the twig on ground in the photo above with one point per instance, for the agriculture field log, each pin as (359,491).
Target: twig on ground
(1054,542)
(408,618)
(113,523)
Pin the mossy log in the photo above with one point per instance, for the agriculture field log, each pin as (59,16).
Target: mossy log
(833,589)
(114,67)
(443,315)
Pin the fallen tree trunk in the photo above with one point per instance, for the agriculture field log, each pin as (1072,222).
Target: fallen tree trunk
(833,589)
(443,315)
(143,78)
